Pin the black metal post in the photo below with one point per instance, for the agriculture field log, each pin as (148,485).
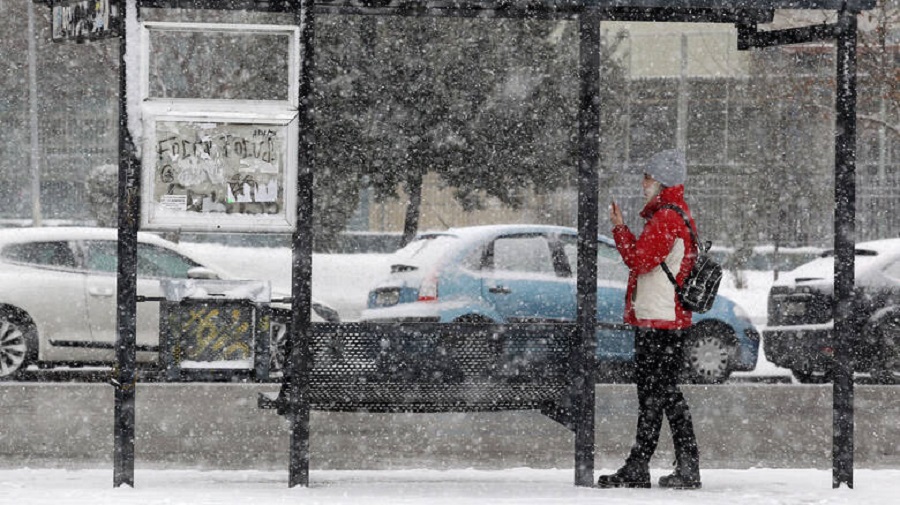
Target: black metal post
(844,244)
(301,286)
(588,185)
(126,294)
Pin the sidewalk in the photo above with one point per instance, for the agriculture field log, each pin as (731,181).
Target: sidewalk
(430,487)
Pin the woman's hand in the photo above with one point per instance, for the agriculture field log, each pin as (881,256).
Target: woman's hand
(615,215)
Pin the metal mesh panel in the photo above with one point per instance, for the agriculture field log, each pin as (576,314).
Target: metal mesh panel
(439,367)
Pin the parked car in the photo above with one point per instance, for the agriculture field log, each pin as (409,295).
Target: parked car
(799,333)
(58,302)
(526,273)
(766,258)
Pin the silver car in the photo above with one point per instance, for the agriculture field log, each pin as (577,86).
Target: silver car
(58,301)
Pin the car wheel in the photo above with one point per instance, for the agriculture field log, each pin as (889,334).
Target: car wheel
(18,344)
(708,352)
(887,368)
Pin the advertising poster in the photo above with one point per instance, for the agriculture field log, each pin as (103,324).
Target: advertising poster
(84,19)
(219,175)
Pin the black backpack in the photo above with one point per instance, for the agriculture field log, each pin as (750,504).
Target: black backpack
(701,285)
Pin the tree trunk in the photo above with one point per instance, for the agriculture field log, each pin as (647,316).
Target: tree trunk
(413,207)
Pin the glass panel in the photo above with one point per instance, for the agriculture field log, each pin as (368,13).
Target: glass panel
(219,65)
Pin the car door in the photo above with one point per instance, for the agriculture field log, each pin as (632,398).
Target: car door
(615,340)
(153,264)
(50,288)
(527,278)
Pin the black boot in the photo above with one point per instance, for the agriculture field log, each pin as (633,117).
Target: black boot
(687,455)
(632,475)
(685,476)
(679,480)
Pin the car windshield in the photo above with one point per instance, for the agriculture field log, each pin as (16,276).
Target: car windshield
(425,250)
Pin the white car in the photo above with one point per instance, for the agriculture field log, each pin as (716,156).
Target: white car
(58,300)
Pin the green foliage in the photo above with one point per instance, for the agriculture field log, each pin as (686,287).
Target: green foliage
(490,105)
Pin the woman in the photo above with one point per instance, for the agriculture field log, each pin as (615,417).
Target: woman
(660,322)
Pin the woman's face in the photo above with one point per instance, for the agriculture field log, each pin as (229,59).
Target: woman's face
(651,187)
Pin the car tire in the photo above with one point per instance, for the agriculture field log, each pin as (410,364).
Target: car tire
(18,344)
(708,353)
(887,366)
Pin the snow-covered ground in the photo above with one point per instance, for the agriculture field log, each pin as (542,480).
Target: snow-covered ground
(344,280)
(431,487)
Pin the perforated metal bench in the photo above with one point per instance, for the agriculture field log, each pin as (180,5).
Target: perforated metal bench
(432,367)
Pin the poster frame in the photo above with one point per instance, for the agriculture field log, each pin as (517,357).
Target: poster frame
(284,221)
(281,114)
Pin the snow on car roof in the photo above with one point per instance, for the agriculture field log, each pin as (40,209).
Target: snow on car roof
(444,245)
(883,246)
(51,233)
(31,234)
(470,234)
(496,229)
(823,268)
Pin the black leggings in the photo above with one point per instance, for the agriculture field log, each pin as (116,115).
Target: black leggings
(658,360)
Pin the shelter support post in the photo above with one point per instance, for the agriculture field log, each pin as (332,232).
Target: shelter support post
(844,32)
(583,370)
(125,378)
(844,245)
(297,387)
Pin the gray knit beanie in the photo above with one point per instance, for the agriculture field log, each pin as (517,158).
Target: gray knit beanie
(668,167)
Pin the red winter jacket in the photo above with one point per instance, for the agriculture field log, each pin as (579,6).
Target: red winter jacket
(650,299)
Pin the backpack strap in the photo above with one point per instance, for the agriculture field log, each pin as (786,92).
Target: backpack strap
(687,222)
(694,237)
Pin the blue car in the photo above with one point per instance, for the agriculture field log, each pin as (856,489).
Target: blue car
(526,273)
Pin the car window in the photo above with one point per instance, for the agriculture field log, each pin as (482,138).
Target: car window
(523,254)
(610,266)
(101,256)
(153,261)
(55,253)
(474,259)
(425,250)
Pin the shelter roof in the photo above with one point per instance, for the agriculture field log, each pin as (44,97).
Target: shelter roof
(642,10)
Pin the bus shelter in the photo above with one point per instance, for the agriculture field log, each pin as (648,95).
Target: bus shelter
(565,395)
